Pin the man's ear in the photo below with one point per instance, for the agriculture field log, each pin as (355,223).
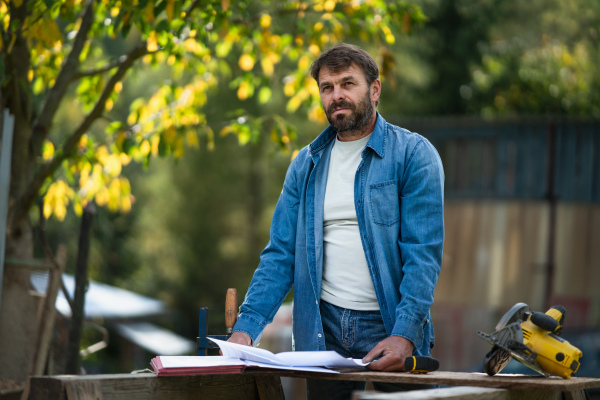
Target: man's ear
(375,90)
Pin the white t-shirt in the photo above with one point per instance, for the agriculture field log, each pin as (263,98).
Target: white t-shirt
(346,279)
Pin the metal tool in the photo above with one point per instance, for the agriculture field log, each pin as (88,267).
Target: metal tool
(231,309)
(533,339)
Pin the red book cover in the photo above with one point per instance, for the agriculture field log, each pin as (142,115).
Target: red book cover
(196,365)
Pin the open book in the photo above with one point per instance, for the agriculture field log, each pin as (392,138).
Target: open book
(236,358)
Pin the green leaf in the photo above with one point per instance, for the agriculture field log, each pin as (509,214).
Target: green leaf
(264,95)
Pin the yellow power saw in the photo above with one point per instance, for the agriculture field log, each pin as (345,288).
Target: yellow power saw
(533,339)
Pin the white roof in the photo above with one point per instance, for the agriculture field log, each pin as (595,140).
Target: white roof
(156,340)
(101,300)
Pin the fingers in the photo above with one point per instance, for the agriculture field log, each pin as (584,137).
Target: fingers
(240,338)
(393,352)
(388,363)
(373,354)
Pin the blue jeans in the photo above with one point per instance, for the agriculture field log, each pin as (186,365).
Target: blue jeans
(352,334)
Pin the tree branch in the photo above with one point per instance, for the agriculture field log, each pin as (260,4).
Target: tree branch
(70,146)
(48,108)
(98,71)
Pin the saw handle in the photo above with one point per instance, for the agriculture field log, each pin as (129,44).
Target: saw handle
(421,364)
(231,310)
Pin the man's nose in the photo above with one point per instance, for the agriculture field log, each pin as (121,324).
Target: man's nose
(338,93)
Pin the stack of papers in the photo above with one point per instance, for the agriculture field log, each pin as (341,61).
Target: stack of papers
(236,358)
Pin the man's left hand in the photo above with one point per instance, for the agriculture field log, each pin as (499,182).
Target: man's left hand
(392,352)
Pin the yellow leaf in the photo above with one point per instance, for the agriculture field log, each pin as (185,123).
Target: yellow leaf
(145,148)
(118,87)
(303,63)
(155,142)
(289,88)
(246,62)
(149,12)
(226,130)
(329,5)
(114,11)
(47,150)
(152,44)
(47,208)
(191,137)
(179,148)
(314,49)
(243,91)
(316,113)
(109,104)
(293,104)
(265,21)
(102,196)
(126,204)
(169,135)
(225,4)
(83,141)
(267,66)
(170,9)
(78,209)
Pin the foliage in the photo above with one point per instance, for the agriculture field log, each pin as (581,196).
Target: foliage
(51,49)
(542,58)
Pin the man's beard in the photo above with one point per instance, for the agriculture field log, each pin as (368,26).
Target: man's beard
(359,118)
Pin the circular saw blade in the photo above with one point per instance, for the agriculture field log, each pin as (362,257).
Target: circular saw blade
(516,313)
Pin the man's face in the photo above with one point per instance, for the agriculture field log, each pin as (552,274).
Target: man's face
(347,98)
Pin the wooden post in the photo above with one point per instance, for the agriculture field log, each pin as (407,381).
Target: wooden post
(46,324)
(81,283)
(8,122)
(551,198)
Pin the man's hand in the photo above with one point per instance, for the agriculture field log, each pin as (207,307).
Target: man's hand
(393,351)
(240,338)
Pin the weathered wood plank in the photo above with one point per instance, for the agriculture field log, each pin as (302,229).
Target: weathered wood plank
(457,393)
(575,395)
(247,386)
(461,393)
(446,378)
(269,388)
(151,387)
(83,390)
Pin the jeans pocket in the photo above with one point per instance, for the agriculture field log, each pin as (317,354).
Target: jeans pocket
(385,203)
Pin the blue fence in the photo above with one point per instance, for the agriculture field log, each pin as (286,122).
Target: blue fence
(528,158)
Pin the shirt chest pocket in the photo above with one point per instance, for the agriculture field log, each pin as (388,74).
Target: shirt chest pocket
(385,206)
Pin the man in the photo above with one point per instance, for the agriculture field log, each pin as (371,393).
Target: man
(358,232)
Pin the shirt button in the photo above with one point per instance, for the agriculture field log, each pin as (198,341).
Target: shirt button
(319,335)
(317,302)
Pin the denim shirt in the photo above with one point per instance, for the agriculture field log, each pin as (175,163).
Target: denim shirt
(398,195)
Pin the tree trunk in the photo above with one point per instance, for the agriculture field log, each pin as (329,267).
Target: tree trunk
(19,310)
(18,315)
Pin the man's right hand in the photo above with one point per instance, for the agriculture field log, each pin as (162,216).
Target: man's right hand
(240,338)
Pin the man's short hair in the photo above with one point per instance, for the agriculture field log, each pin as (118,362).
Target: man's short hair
(341,56)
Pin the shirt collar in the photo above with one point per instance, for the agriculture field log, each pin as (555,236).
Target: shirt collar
(376,143)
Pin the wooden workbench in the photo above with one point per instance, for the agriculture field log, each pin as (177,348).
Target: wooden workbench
(263,385)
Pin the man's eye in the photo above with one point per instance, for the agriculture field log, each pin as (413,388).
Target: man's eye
(349,83)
